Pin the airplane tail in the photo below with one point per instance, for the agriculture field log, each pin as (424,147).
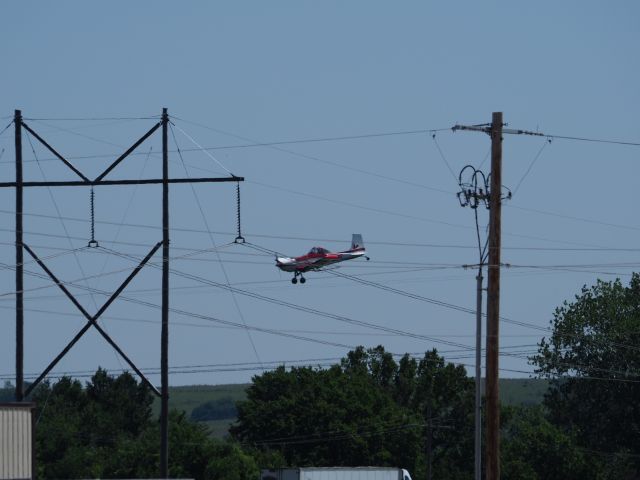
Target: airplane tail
(356,242)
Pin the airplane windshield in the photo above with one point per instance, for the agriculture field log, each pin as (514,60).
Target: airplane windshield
(318,250)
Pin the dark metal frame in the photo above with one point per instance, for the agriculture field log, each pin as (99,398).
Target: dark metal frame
(92,320)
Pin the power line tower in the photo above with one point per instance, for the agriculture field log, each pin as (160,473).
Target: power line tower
(92,320)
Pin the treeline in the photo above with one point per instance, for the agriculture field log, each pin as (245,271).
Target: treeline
(373,410)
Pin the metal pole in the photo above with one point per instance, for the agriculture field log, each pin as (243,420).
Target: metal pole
(493,302)
(478,406)
(17,121)
(164,336)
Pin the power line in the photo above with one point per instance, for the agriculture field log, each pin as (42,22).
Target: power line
(595,140)
(206,225)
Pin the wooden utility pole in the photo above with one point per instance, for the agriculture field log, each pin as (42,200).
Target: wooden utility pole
(164,333)
(493,302)
(17,121)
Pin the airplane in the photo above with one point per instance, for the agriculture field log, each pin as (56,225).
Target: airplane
(319,258)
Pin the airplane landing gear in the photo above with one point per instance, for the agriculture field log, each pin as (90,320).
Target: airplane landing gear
(294,280)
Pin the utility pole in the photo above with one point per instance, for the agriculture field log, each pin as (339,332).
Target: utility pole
(493,301)
(17,120)
(472,195)
(474,192)
(478,403)
(164,334)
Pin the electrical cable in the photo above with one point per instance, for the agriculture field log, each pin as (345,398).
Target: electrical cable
(90,119)
(544,145)
(455,179)
(206,225)
(59,215)
(314,140)
(6,128)
(596,140)
(201,149)
(273,146)
(88,137)
(430,300)
(308,239)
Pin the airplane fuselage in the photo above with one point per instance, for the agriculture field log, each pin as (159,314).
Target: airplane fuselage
(315,261)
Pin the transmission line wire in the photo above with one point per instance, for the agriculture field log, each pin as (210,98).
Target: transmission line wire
(206,225)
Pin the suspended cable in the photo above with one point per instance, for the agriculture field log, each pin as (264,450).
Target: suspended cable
(206,224)
(59,215)
(201,148)
(5,128)
(82,135)
(596,140)
(544,145)
(313,140)
(433,135)
(89,119)
(273,146)
(429,300)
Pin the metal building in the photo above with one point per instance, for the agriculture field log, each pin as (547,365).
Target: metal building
(17,437)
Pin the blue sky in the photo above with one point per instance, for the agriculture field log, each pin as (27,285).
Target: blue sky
(235,73)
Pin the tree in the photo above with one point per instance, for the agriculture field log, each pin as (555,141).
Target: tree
(444,395)
(534,449)
(594,359)
(326,417)
(369,410)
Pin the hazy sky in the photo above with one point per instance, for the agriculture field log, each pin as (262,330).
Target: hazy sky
(92,77)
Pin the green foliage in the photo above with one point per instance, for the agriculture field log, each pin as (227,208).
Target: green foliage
(229,462)
(593,354)
(533,448)
(8,392)
(105,430)
(370,410)
(324,417)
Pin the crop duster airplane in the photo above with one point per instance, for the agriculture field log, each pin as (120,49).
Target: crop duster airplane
(319,258)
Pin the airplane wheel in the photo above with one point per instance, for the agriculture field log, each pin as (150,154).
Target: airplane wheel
(302,279)
(294,280)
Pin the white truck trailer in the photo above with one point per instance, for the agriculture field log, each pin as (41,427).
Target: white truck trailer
(336,473)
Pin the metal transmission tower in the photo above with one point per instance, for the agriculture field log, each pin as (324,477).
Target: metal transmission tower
(92,320)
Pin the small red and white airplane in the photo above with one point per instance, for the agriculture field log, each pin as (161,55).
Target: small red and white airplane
(319,258)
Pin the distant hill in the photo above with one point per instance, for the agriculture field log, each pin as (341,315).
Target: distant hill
(214,405)
(522,391)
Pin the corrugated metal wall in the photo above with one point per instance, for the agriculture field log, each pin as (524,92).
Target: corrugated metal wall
(16,441)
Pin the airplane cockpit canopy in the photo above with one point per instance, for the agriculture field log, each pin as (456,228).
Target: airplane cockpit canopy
(318,250)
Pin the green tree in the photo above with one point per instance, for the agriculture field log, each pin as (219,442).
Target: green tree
(326,417)
(534,449)
(61,430)
(369,410)
(594,361)
(444,395)
(105,429)
(230,462)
